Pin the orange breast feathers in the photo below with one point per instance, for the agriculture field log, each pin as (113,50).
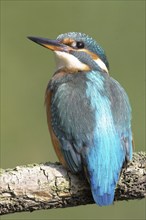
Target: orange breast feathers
(55,141)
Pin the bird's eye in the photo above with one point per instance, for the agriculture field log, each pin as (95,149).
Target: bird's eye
(77,44)
(80,44)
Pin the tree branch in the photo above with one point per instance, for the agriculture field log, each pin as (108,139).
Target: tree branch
(45,186)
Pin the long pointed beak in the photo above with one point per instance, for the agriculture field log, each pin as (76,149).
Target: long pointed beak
(54,45)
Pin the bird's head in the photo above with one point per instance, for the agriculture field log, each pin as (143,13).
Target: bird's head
(76,51)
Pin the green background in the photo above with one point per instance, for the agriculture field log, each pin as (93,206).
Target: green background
(119,26)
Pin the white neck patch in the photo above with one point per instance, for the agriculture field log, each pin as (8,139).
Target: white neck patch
(101,64)
(69,61)
(66,60)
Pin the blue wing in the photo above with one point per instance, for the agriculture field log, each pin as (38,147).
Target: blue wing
(91,116)
(72,118)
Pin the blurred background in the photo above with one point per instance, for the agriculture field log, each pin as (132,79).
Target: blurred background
(119,26)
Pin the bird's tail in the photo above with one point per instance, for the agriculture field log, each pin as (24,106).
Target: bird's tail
(102,200)
(103,167)
(101,197)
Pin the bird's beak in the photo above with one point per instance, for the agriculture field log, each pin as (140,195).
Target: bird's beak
(54,45)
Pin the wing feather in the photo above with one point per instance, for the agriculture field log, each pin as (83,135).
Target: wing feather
(55,140)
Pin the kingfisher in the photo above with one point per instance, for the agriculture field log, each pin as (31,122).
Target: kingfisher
(88,113)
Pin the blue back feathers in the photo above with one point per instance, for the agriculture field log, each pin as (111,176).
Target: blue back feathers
(107,154)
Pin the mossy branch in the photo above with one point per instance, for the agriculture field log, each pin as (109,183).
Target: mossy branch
(46,186)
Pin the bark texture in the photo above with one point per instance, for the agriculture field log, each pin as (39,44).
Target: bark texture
(45,186)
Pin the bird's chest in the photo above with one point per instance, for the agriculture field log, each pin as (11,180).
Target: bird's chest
(71,112)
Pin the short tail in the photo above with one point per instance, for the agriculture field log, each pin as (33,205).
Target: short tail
(103,200)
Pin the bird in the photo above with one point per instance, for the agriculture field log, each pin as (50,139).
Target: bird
(88,113)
